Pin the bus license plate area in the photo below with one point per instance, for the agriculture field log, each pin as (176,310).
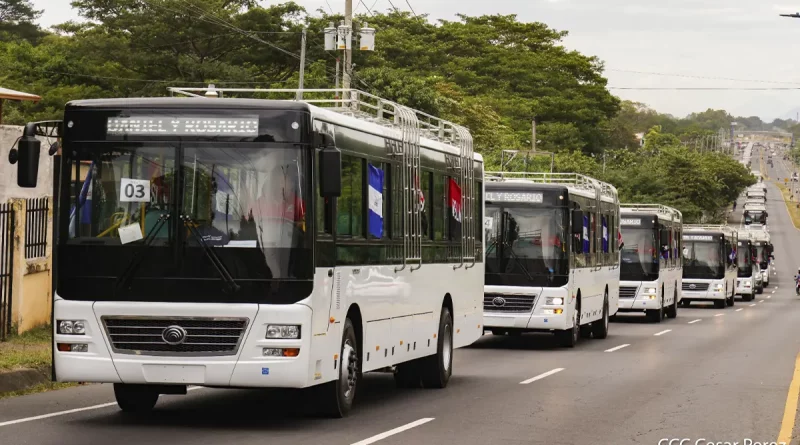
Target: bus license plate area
(183,374)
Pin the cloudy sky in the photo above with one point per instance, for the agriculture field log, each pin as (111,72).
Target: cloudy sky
(644,44)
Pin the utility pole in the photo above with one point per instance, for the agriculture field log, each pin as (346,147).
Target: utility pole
(302,65)
(533,134)
(348,52)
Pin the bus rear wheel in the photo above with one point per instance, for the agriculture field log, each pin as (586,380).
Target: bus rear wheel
(135,399)
(435,370)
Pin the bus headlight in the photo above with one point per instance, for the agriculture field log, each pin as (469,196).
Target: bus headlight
(71,327)
(718,287)
(650,290)
(283,331)
(554,301)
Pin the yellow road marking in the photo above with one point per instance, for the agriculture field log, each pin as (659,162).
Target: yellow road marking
(790,412)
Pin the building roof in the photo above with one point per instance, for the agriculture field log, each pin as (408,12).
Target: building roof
(6,93)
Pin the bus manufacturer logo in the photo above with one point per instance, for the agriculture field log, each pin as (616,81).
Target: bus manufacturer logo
(499,301)
(174,335)
(692,286)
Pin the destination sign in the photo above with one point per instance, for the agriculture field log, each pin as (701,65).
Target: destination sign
(630,221)
(182,126)
(698,237)
(537,198)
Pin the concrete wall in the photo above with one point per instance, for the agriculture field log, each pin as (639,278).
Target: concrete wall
(8,172)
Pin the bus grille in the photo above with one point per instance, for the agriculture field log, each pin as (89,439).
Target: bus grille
(628,291)
(508,303)
(200,336)
(701,287)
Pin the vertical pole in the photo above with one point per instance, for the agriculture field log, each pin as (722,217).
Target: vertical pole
(302,65)
(533,134)
(348,53)
(336,85)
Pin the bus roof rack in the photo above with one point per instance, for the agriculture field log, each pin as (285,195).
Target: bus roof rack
(577,180)
(351,102)
(708,228)
(658,209)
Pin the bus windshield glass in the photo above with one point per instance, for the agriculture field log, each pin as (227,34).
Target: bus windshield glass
(743,261)
(703,260)
(526,246)
(247,202)
(762,256)
(640,260)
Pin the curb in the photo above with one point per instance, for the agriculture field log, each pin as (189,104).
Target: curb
(21,379)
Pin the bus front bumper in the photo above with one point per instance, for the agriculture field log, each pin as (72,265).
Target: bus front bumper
(102,362)
(542,316)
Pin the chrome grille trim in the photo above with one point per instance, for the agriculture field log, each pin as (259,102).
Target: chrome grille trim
(205,336)
(628,291)
(698,287)
(518,304)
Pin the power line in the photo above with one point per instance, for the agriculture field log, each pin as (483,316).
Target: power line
(689,76)
(135,79)
(330,7)
(412,9)
(368,10)
(706,88)
(393,6)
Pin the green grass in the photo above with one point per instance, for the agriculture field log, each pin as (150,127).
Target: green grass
(794,212)
(47,386)
(29,350)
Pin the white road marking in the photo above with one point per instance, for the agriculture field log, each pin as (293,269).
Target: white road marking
(769,296)
(740,309)
(541,376)
(397,430)
(773,292)
(658,334)
(695,321)
(617,348)
(719,315)
(70,411)
(752,305)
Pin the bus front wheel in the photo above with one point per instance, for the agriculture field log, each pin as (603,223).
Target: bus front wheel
(336,397)
(568,338)
(435,370)
(135,399)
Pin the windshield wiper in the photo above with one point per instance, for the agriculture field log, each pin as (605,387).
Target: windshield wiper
(215,261)
(126,275)
(518,261)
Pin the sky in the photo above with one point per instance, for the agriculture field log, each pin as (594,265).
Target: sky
(643,44)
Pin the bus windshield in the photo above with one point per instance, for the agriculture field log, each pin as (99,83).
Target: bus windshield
(526,246)
(640,259)
(762,256)
(248,198)
(743,261)
(703,260)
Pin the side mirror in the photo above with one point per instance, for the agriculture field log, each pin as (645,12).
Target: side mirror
(27,156)
(330,168)
(577,222)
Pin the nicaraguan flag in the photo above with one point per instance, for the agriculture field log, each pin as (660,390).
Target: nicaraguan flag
(586,245)
(605,235)
(375,201)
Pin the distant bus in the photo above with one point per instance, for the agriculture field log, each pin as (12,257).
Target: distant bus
(748,278)
(709,264)
(651,266)
(552,259)
(764,251)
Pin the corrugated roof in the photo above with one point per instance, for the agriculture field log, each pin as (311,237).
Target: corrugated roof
(6,93)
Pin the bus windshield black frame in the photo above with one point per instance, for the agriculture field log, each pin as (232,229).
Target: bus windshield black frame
(704,259)
(246,197)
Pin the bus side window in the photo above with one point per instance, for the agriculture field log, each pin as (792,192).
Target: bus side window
(350,205)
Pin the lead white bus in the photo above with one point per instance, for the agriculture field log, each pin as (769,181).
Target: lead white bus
(748,279)
(709,264)
(552,259)
(764,250)
(651,269)
(261,243)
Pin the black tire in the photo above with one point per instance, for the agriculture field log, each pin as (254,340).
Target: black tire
(568,338)
(336,398)
(600,327)
(135,399)
(761,290)
(748,297)
(731,301)
(406,375)
(498,332)
(720,304)
(672,310)
(435,370)
(686,303)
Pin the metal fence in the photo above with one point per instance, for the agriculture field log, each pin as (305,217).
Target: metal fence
(36,223)
(6,266)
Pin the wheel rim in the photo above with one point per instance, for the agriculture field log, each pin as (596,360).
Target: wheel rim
(447,345)
(605,315)
(349,369)
(576,326)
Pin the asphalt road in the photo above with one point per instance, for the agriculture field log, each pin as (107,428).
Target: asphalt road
(722,375)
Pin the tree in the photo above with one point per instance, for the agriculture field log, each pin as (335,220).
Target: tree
(16,20)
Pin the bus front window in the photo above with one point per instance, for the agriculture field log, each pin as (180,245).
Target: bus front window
(640,261)
(703,260)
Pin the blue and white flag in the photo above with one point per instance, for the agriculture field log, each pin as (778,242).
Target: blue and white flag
(375,201)
(84,195)
(586,245)
(605,234)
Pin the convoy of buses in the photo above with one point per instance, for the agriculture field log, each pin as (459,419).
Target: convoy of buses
(238,242)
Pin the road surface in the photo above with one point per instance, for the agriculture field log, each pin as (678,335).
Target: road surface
(721,375)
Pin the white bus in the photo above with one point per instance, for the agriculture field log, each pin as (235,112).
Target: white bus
(651,272)
(748,278)
(764,250)
(552,259)
(262,243)
(709,264)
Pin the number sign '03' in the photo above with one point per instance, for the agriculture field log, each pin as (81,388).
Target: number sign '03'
(134,190)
